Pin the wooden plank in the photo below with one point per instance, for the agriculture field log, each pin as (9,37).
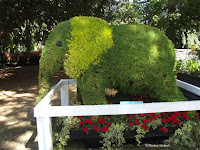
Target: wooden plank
(117,109)
(189,87)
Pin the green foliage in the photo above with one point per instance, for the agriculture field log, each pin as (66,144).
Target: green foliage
(190,40)
(173,17)
(61,137)
(190,66)
(125,12)
(188,136)
(140,63)
(90,39)
(113,139)
(53,56)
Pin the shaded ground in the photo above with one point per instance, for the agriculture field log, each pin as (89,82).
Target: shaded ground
(18,91)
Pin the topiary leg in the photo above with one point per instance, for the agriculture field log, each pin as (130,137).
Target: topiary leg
(91,88)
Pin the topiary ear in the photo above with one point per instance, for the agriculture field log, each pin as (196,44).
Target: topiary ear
(90,38)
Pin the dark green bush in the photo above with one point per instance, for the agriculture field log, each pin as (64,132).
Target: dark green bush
(140,63)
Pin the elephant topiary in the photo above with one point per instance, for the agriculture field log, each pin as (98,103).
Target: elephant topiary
(134,59)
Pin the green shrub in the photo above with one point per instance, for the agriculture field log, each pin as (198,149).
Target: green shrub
(141,64)
(188,136)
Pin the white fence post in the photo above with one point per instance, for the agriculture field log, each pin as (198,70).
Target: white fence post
(44,132)
(64,92)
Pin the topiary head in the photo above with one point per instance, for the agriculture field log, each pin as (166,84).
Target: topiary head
(90,38)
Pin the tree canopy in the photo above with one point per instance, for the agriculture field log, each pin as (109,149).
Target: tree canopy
(27,22)
(24,22)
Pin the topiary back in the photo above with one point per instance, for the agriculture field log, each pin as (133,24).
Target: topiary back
(141,64)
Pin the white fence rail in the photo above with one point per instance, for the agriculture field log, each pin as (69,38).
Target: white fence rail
(44,111)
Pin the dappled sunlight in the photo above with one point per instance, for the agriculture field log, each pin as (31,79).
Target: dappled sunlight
(153,52)
(7,95)
(153,35)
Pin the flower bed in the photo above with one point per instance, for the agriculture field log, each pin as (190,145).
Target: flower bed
(115,128)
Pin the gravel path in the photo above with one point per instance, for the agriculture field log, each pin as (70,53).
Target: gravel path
(18,91)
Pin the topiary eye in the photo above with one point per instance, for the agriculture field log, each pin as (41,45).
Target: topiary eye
(59,43)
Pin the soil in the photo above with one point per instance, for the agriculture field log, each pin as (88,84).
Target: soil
(18,91)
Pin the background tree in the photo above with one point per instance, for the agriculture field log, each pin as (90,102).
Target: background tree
(29,21)
(173,17)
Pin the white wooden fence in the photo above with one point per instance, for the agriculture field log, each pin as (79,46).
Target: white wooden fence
(44,111)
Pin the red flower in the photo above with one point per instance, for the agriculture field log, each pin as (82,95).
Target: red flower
(140,99)
(137,122)
(81,123)
(98,129)
(101,120)
(178,122)
(196,116)
(166,116)
(166,129)
(133,114)
(88,121)
(161,114)
(173,116)
(186,118)
(143,126)
(161,128)
(150,119)
(94,127)
(85,129)
(130,117)
(74,102)
(137,119)
(156,116)
(173,121)
(110,103)
(150,114)
(146,128)
(77,98)
(104,129)
(163,120)
(196,113)
(145,120)
(142,114)
(169,119)
(109,117)
(177,114)
(108,123)
(130,123)
(79,117)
